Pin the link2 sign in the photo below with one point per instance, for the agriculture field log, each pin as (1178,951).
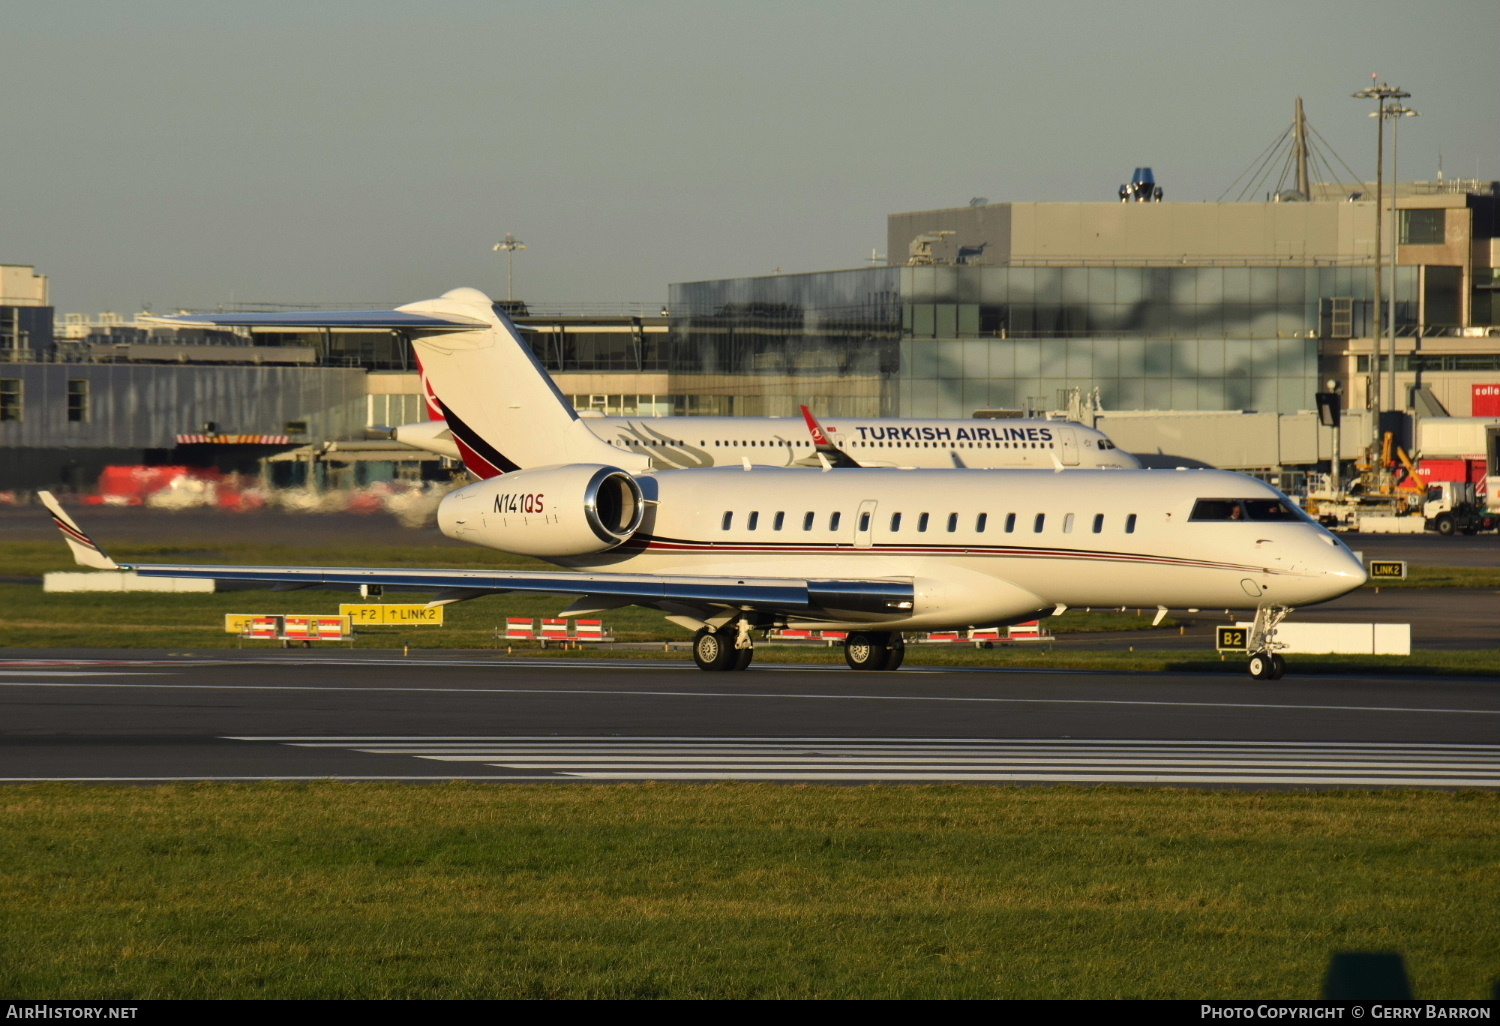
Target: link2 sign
(384,615)
(1387,570)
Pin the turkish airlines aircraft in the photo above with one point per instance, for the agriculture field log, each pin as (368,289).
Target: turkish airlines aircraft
(684,442)
(729,551)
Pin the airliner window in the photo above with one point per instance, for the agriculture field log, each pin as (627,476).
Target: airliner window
(1010,523)
(1217,509)
(754,519)
(1041,521)
(952,522)
(922,522)
(1130,524)
(1098,523)
(864,522)
(895,521)
(1068,524)
(980,521)
(807,521)
(728,519)
(833,521)
(780,519)
(1269,509)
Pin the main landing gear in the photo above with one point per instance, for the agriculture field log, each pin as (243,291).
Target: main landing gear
(874,650)
(1265,662)
(727,648)
(730,648)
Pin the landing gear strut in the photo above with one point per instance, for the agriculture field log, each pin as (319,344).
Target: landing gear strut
(726,648)
(1265,662)
(874,650)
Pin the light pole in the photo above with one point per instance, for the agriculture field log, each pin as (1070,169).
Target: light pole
(1379,93)
(510,244)
(1395,112)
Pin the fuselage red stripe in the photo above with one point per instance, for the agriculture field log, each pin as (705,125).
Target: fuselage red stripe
(837,548)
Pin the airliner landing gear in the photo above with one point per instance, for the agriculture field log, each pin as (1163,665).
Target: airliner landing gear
(874,650)
(728,648)
(1265,662)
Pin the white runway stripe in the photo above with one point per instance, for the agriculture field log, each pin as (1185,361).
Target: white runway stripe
(934,760)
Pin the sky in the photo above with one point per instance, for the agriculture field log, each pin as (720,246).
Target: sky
(177,154)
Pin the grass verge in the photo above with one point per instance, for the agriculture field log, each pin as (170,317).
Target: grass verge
(736,890)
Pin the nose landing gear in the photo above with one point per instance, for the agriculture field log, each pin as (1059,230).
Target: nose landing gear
(1265,662)
(1267,667)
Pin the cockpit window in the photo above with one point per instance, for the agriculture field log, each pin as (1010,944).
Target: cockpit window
(1270,509)
(1217,509)
(1242,509)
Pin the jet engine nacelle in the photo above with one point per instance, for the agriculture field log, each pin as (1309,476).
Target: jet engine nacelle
(572,510)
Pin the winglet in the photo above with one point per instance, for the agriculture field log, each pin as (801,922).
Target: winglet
(85,552)
(823,446)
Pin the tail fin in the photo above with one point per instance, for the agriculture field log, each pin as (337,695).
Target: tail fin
(85,552)
(824,446)
(503,408)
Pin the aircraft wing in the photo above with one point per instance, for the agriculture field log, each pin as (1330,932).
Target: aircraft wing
(323,319)
(860,598)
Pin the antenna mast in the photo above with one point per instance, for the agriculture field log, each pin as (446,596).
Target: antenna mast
(1299,149)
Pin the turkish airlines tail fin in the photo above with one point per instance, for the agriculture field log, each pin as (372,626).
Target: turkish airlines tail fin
(824,446)
(502,407)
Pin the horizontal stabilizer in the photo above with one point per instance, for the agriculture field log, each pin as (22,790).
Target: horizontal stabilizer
(294,319)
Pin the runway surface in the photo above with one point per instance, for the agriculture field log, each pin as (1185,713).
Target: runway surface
(375,717)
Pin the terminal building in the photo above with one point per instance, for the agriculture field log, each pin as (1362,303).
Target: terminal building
(1157,306)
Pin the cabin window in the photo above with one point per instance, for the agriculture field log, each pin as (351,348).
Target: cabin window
(1130,524)
(864,522)
(922,522)
(1068,524)
(833,521)
(980,521)
(895,521)
(728,521)
(1098,523)
(807,521)
(1036,527)
(754,520)
(1010,523)
(952,522)
(780,519)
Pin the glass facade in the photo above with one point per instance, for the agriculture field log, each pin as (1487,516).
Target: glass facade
(955,377)
(1135,301)
(945,341)
(844,322)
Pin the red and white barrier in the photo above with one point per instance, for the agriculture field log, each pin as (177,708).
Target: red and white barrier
(591,630)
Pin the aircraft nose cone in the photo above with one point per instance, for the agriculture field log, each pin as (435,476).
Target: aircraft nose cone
(1342,570)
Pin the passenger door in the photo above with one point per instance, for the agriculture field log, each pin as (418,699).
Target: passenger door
(1069,447)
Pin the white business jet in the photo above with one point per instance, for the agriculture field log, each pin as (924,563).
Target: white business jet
(728,551)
